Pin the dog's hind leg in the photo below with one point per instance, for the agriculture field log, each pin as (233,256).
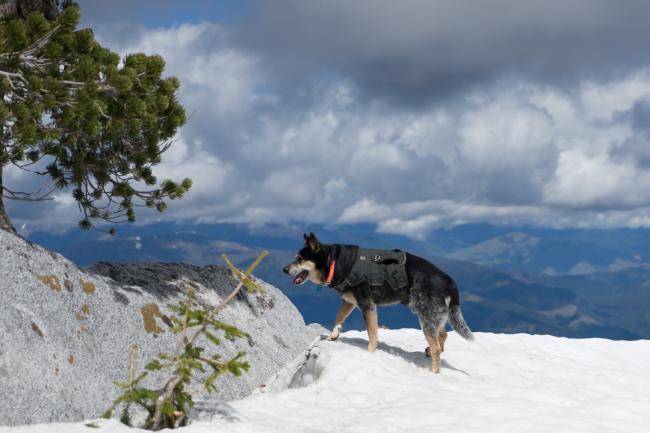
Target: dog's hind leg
(344,311)
(442,337)
(370,317)
(431,329)
(434,348)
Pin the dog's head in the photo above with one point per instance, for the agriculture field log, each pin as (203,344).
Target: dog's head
(310,262)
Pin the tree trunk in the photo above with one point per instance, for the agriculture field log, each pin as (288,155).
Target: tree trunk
(22,8)
(5,222)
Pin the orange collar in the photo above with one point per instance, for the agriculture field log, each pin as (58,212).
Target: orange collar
(331,274)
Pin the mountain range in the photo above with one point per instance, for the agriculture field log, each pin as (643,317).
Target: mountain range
(574,283)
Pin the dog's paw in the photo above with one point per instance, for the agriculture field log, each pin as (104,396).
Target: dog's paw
(427,352)
(372,347)
(335,333)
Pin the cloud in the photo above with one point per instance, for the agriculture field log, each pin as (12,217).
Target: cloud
(414,51)
(597,182)
(315,126)
(363,211)
(158,13)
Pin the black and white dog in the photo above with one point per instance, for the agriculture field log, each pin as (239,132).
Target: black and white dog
(366,278)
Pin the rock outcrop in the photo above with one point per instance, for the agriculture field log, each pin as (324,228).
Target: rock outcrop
(66,333)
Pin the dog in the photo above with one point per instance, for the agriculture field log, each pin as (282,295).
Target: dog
(366,278)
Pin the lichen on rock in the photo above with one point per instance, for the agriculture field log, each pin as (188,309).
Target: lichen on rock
(51,281)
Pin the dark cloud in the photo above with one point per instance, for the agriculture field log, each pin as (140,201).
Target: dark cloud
(160,13)
(414,50)
(636,148)
(640,114)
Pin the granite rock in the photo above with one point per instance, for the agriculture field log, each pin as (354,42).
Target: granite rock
(66,332)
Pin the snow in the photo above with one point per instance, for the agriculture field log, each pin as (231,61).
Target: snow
(498,383)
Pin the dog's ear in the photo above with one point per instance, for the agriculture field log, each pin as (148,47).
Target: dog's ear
(306,238)
(313,242)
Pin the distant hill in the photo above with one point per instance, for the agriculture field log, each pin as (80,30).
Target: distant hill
(518,251)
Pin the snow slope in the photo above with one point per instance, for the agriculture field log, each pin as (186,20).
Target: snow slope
(498,383)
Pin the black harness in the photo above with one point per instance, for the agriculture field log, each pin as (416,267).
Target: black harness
(379,269)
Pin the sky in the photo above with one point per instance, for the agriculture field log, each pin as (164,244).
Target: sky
(410,115)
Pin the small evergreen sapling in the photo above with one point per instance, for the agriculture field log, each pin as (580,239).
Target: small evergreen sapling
(169,406)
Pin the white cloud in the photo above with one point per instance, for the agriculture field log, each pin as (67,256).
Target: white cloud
(417,227)
(601,100)
(363,211)
(506,132)
(512,151)
(583,181)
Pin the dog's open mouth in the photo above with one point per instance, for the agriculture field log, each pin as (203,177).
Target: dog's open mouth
(301,277)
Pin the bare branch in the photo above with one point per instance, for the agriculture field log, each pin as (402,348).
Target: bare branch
(11,75)
(41,42)
(26,55)
(27,196)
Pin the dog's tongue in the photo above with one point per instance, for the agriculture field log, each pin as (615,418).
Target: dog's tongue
(300,277)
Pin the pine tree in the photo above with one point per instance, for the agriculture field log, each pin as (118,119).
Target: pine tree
(96,126)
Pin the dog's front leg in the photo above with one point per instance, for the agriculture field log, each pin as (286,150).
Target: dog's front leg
(370,317)
(344,311)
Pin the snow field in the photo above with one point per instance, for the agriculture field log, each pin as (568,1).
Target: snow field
(498,383)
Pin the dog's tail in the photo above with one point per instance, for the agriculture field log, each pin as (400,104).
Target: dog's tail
(458,323)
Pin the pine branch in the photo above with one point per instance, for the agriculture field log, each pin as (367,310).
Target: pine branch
(168,407)
(185,343)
